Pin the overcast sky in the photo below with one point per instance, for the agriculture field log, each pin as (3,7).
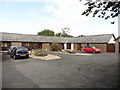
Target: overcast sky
(32,16)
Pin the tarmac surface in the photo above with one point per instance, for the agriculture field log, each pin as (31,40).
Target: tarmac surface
(71,71)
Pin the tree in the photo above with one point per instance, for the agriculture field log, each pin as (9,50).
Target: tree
(55,47)
(81,36)
(46,32)
(106,9)
(65,32)
(59,34)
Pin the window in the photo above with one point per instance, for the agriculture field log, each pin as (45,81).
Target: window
(27,44)
(4,44)
(16,44)
(50,44)
(86,47)
(21,48)
(92,47)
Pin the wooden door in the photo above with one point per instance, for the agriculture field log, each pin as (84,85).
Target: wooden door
(110,47)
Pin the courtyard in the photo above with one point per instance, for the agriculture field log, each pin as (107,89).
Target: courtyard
(71,71)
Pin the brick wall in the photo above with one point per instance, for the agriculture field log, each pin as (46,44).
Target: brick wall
(103,47)
(62,45)
(77,46)
(45,46)
(82,45)
(16,43)
(5,45)
(111,47)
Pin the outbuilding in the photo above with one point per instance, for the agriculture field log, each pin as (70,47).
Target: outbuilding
(103,41)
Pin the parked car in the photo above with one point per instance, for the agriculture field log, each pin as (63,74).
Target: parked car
(10,49)
(91,49)
(19,52)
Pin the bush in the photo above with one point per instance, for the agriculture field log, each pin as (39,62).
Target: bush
(55,47)
(39,52)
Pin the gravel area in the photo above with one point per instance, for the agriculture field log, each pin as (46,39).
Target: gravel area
(48,57)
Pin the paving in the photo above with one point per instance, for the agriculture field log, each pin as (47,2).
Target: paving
(71,71)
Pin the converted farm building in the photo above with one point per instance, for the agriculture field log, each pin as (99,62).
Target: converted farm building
(104,41)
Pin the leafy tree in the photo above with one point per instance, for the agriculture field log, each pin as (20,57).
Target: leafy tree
(46,32)
(106,9)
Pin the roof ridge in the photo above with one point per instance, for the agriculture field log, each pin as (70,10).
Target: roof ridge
(102,38)
(55,36)
(33,35)
(17,33)
(93,35)
(100,34)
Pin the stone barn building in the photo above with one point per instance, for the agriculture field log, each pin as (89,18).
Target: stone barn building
(104,41)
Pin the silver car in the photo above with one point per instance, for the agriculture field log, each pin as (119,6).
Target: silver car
(10,49)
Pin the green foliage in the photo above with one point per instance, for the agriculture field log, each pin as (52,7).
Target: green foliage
(105,9)
(46,32)
(39,52)
(55,47)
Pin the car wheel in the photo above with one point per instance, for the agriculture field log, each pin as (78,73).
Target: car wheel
(27,57)
(94,52)
(11,56)
(14,57)
(84,51)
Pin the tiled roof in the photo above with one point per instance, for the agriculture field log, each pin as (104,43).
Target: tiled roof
(31,38)
(103,38)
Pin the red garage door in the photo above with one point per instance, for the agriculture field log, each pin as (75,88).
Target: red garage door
(111,48)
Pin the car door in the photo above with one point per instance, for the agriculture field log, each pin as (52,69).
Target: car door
(89,49)
(13,51)
(86,49)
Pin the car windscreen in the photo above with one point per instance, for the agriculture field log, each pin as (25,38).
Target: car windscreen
(93,47)
(21,49)
(12,47)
